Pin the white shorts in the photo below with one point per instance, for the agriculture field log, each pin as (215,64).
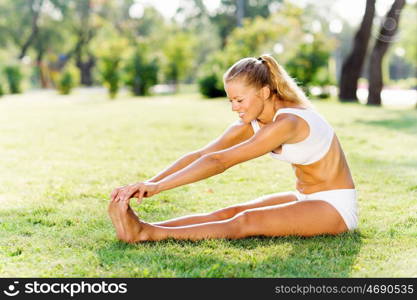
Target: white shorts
(343,200)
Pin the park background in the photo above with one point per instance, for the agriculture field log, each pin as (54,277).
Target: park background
(95,94)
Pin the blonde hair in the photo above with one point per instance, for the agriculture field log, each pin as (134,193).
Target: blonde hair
(266,71)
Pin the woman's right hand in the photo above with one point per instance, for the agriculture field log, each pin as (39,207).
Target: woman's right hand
(137,190)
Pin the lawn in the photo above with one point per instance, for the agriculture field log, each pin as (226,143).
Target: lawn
(62,156)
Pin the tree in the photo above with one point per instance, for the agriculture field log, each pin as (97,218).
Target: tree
(141,71)
(306,58)
(231,13)
(385,38)
(48,39)
(112,51)
(310,64)
(35,11)
(85,31)
(179,57)
(33,24)
(408,39)
(352,66)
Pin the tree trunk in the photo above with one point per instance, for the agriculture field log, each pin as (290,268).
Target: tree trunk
(42,69)
(352,66)
(385,37)
(35,27)
(240,12)
(86,70)
(85,35)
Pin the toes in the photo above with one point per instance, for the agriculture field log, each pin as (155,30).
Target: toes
(126,222)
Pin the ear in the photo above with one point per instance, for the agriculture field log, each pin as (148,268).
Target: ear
(265,93)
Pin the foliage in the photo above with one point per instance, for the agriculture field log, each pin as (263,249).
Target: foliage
(110,72)
(141,72)
(209,86)
(310,63)
(14,78)
(67,80)
(211,74)
(225,17)
(305,61)
(65,83)
(179,55)
(148,25)
(111,51)
(40,30)
(1,90)
(407,35)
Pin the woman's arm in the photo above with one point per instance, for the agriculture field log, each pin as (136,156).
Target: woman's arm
(268,138)
(179,164)
(206,166)
(234,134)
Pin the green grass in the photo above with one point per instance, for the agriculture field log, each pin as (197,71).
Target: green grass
(62,156)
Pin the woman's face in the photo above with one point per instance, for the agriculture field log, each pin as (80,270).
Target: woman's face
(245,100)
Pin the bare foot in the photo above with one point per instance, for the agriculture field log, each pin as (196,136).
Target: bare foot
(114,216)
(127,224)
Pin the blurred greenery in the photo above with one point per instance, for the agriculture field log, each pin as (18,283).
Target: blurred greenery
(14,78)
(306,59)
(141,73)
(116,43)
(66,83)
(67,79)
(179,55)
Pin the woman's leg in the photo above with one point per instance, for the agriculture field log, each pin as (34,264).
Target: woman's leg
(305,218)
(231,211)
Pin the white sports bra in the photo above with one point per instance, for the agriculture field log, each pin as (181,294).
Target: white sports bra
(312,148)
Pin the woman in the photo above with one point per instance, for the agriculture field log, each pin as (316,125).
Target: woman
(276,118)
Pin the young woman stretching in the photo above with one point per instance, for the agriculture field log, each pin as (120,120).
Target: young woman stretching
(276,118)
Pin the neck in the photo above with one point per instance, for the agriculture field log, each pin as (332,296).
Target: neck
(271,106)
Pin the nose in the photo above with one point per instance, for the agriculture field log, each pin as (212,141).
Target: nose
(235,107)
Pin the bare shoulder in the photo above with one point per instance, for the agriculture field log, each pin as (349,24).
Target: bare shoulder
(284,128)
(286,121)
(287,118)
(235,133)
(241,129)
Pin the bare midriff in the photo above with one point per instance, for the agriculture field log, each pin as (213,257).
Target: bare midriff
(329,173)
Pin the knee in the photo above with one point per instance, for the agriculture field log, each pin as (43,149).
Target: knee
(225,213)
(241,225)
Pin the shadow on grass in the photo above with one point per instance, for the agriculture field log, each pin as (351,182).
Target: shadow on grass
(321,256)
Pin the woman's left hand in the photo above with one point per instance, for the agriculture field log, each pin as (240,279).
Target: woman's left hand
(137,190)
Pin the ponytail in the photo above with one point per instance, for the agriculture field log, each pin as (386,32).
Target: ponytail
(265,71)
